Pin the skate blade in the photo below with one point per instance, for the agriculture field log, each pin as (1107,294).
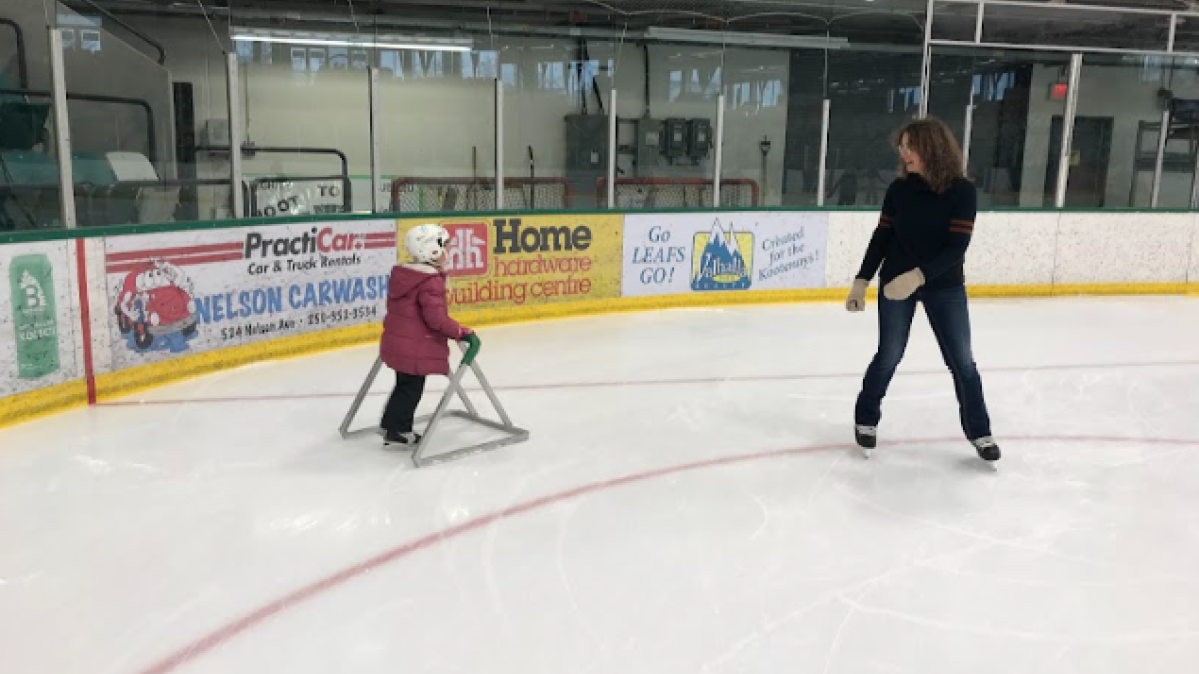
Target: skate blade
(867,453)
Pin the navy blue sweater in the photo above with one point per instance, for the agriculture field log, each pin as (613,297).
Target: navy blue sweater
(920,228)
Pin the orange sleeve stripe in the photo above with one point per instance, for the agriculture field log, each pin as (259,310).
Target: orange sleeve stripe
(961,230)
(964,223)
(884,218)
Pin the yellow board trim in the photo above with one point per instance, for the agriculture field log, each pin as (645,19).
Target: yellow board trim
(26,406)
(1098,289)
(23,407)
(124,382)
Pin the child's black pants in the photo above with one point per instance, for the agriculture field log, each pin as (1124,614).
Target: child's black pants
(401,406)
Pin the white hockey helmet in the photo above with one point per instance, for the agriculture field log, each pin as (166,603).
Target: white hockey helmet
(426,243)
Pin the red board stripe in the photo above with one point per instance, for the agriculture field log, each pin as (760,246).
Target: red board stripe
(122,267)
(85,321)
(174,252)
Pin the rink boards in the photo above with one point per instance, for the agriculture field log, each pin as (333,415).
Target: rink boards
(88,318)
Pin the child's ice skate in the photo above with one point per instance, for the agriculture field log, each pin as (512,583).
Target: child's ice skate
(393,438)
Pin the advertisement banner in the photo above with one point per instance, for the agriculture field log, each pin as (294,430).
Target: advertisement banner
(523,261)
(37,346)
(200,290)
(680,253)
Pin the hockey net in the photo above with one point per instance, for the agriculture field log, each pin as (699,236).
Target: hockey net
(439,195)
(637,193)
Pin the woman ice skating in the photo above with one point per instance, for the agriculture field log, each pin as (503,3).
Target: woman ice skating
(416,328)
(920,242)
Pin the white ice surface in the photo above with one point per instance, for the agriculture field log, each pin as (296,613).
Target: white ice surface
(188,521)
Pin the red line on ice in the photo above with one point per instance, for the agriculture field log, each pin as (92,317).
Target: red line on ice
(238,626)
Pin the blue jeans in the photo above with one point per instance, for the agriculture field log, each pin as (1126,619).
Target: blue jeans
(950,319)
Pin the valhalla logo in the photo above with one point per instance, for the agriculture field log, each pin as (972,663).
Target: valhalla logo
(722,260)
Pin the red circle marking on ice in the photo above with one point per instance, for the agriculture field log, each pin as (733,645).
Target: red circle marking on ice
(236,627)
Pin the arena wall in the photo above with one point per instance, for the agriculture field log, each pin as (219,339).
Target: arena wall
(229,293)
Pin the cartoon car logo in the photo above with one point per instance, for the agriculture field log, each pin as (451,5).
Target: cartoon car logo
(155,301)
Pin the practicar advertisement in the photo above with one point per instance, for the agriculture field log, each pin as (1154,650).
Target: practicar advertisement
(196,291)
(528,261)
(37,345)
(676,254)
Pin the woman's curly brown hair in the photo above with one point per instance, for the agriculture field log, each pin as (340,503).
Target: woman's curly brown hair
(934,143)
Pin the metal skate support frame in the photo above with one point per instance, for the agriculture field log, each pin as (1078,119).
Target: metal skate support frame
(512,434)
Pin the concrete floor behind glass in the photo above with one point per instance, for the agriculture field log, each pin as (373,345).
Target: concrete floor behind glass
(690,501)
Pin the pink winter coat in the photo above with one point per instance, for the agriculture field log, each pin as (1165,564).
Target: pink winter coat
(417,324)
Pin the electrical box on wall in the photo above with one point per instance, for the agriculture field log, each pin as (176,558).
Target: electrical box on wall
(586,156)
(674,147)
(587,144)
(699,139)
(651,133)
(648,145)
(674,141)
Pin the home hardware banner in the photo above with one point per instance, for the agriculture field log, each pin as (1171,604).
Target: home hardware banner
(200,290)
(515,261)
(37,345)
(680,253)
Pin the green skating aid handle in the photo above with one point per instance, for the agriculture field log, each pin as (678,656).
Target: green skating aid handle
(473,346)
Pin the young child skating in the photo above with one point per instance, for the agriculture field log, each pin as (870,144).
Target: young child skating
(416,329)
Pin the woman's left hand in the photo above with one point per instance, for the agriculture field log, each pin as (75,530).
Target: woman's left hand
(904,285)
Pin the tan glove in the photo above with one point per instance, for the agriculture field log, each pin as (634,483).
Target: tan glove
(904,285)
(857,296)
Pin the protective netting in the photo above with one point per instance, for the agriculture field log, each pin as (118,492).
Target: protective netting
(434,195)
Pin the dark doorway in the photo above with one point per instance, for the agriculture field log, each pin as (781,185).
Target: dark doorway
(1088,163)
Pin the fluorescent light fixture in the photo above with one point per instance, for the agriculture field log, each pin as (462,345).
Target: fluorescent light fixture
(711,37)
(374,41)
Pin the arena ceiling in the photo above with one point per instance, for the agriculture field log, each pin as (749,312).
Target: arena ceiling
(866,21)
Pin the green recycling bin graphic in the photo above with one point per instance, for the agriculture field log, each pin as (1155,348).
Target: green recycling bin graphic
(35,320)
